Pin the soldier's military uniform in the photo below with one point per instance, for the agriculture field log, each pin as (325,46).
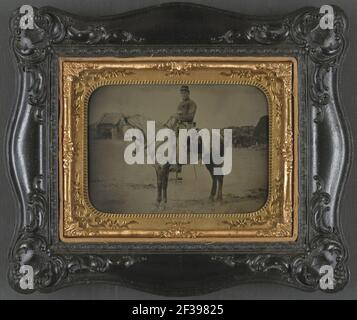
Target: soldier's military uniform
(183,119)
(186,111)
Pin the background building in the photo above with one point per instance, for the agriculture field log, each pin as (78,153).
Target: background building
(108,126)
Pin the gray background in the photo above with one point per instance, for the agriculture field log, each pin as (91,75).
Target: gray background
(8,207)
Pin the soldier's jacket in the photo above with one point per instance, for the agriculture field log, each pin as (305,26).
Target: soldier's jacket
(186,110)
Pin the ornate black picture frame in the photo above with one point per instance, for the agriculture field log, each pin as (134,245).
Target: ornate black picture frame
(178,29)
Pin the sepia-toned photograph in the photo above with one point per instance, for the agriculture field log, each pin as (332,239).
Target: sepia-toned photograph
(117,185)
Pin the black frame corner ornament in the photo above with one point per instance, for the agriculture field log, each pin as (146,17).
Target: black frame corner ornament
(178,269)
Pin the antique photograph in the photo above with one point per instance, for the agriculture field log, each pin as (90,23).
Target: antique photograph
(119,185)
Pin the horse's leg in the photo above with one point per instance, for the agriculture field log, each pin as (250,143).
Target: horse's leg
(165,179)
(213,189)
(159,184)
(220,186)
(214,182)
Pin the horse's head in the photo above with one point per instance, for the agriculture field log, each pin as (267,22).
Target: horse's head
(123,122)
(132,122)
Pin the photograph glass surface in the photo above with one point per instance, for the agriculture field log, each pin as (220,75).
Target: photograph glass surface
(118,187)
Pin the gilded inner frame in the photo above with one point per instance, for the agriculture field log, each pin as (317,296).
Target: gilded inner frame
(276,221)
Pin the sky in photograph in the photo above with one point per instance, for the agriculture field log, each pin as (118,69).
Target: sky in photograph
(218,106)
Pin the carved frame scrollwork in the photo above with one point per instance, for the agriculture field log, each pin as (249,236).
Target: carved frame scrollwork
(323,157)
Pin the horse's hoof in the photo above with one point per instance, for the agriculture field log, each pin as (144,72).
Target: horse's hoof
(220,200)
(211,199)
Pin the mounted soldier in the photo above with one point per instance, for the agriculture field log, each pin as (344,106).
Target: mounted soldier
(183,119)
(186,110)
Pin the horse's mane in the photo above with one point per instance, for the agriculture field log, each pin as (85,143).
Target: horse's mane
(140,122)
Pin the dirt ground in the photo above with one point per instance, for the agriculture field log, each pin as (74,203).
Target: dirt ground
(115,186)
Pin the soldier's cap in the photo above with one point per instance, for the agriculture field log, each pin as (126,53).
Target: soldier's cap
(184,88)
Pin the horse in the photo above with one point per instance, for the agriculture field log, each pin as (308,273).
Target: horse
(162,170)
